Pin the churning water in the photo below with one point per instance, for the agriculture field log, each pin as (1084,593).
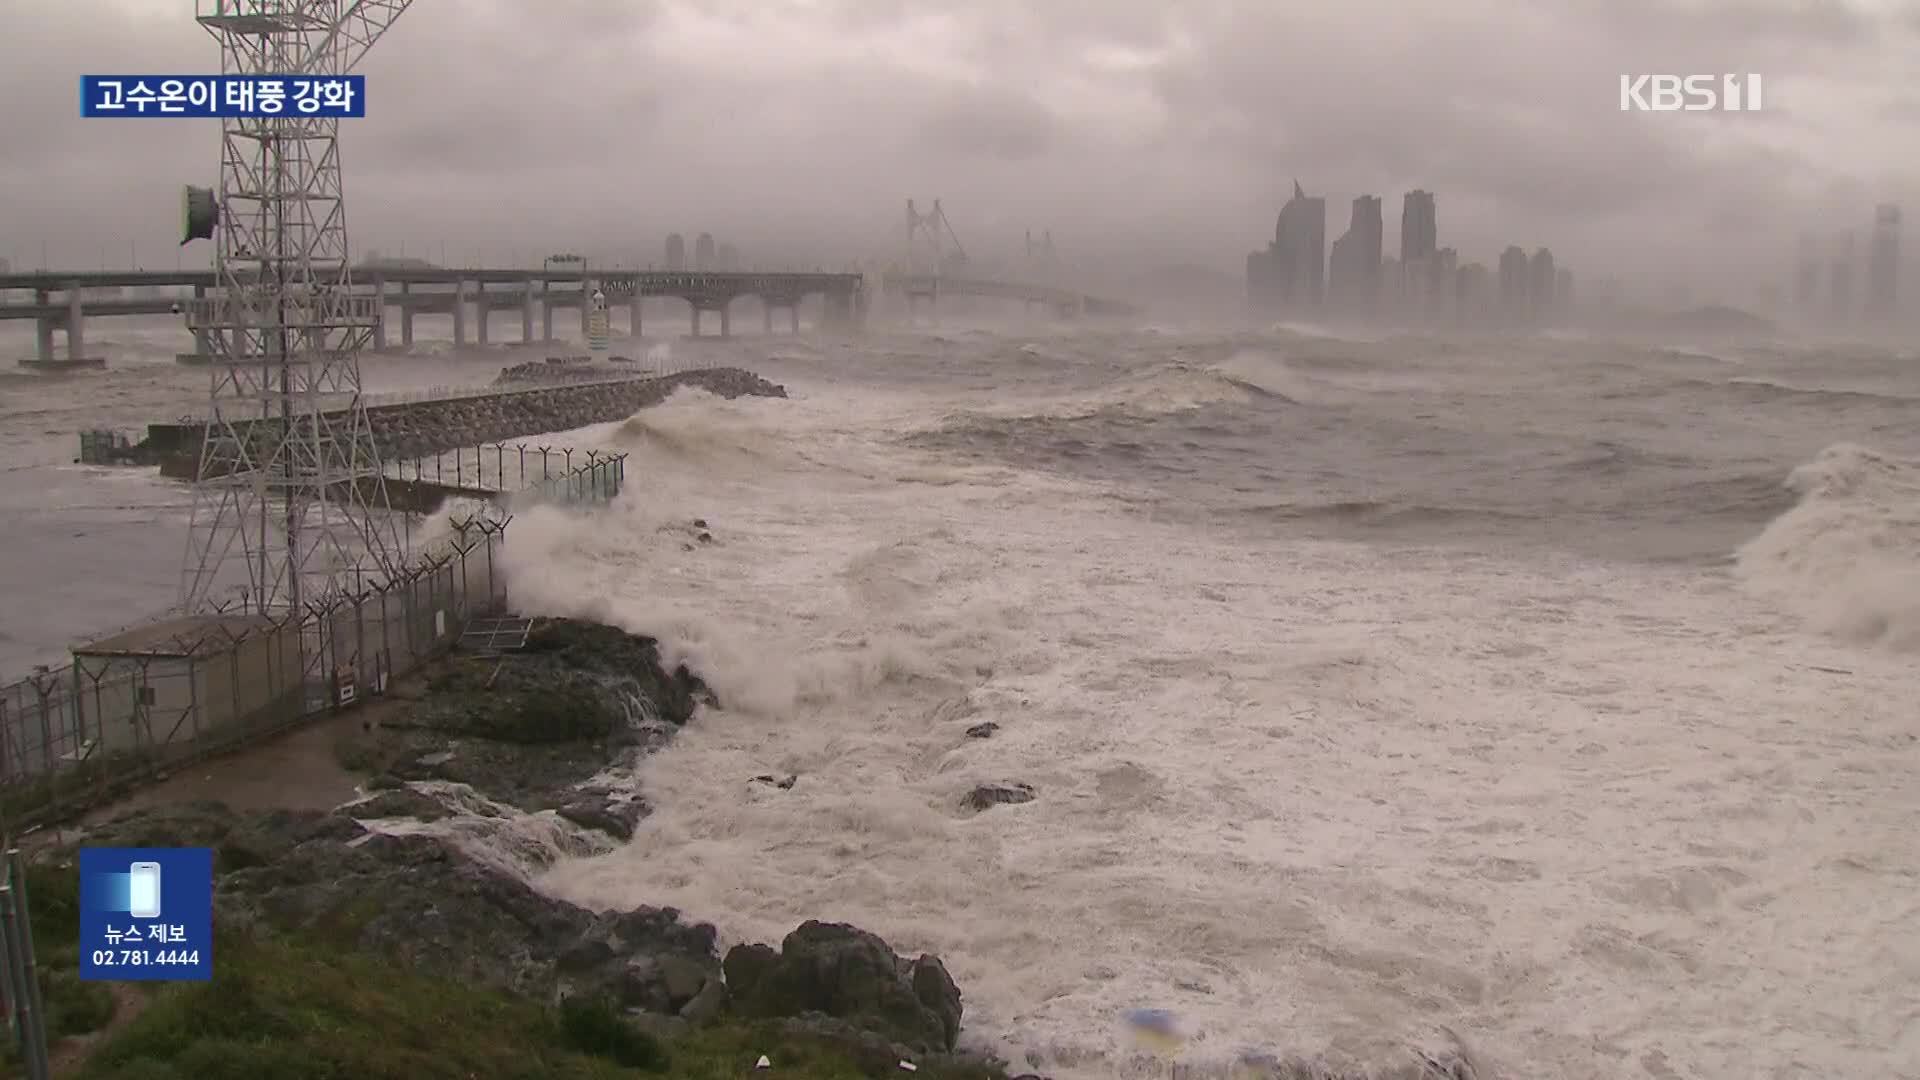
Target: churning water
(1561,694)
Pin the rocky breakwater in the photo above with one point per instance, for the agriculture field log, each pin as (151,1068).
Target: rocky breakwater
(416,429)
(481,772)
(566,369)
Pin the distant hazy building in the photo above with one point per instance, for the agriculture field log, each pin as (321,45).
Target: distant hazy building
(703,252)
(1353,267)
(1540,282)
(1291,275)
(1806,276)
(1840,295)
(1883,267)
(1419,228)
(728,257)
(1473,295)
(1513,284)
(1419,240)
(1437,290)
(676,251)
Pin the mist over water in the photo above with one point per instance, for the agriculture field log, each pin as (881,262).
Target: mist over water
(1557,693)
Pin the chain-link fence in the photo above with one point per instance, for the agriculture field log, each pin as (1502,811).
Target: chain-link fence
(149,699)
(509,466)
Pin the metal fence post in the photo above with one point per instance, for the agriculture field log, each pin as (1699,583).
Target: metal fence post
(23,984)
(17,878)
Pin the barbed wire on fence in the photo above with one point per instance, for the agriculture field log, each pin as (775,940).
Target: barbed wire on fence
(74,735)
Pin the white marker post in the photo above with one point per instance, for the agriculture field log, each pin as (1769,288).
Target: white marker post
(597,322)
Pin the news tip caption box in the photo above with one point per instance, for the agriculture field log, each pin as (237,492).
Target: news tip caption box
(262,96)
(146,913)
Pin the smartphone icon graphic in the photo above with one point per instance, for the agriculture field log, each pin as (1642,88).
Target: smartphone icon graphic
(143,890)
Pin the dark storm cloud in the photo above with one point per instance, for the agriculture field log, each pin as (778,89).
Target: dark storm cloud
(1170,128)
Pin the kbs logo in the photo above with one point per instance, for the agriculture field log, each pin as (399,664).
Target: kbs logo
(1689,93)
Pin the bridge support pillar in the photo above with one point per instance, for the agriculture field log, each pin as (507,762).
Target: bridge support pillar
(793,315)
(696,320)
(546,310)
(43,329)
(406,315)
(459,314)
(586,326)
(379,312)
(480,313)
(76,327)
(726,319)
(526,312)
(766,318)
(633,312)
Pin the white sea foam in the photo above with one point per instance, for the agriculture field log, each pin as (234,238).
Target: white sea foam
(1311,797)
(1847,556)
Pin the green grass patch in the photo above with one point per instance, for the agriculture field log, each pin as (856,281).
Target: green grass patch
(297,1010)
(289,1010)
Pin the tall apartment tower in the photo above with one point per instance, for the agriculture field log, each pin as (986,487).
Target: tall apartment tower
(1883,267)
(1540,282)
(1806,276)
(1841,303)
(1513,284)
(1419,239)
(1353,268)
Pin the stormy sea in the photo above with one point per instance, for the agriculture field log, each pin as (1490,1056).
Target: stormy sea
(1558,694)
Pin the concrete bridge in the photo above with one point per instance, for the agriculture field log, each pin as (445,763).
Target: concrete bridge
(61,300)
(917,287)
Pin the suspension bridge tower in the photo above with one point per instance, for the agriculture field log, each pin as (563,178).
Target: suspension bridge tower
(290,505)
(932,245)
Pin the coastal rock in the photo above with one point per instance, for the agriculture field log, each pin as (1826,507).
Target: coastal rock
(987,796)
(528,729)
(450,897)
(616,819)
(401,802)
(983,730)
(844,972)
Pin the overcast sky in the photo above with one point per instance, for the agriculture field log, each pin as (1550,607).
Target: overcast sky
(1156,130)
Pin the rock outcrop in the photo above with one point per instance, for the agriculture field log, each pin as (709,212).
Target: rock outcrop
(846,973)
(514,737)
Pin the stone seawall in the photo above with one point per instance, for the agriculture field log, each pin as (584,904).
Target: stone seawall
(420,428)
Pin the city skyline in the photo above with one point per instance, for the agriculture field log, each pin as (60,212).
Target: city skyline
(1296,275)
(1139,133)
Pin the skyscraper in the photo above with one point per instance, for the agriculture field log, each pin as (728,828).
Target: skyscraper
(1540,282)
(1439,284)
(1513,284)
(1419,239)
(1354,266)
(1419,229)
(1471,292)
(1300,239)
(703,253)
(676,251)
(1291,275)
(1841,309)
(1806,276)
(1883,269)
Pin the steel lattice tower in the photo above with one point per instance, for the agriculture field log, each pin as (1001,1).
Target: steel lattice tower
(290,481)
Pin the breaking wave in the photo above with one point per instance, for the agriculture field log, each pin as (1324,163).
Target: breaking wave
(1847,556)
